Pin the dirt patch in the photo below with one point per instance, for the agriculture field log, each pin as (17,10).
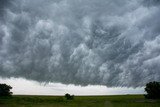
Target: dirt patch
(2,106)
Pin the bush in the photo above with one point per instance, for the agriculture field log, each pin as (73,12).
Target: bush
(69,97)
(153,90)
(5,90)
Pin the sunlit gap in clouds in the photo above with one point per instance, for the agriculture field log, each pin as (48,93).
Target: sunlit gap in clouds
(28,87)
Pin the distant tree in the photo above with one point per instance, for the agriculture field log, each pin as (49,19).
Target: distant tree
(153,90)
(5,90)
(69,97)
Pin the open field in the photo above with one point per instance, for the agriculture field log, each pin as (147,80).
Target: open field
(79,101)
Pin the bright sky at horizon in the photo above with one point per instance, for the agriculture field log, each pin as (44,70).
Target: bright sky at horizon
(28,87)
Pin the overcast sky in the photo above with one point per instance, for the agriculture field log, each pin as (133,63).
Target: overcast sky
(92,43)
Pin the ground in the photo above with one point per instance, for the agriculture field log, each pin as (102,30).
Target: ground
(79,101)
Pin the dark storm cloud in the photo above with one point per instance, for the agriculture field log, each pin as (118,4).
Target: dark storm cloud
(151,2)
(105,42)
(3,6)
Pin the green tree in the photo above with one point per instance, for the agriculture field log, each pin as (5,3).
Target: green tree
(5,90)
(153,90)
(69,97)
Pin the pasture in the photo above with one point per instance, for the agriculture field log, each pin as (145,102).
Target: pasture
(78,101)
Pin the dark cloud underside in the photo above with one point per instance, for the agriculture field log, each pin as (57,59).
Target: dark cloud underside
(105,42)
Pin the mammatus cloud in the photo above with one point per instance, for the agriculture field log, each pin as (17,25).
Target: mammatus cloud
(104,42)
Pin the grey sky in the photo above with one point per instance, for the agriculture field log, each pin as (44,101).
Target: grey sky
(115,43)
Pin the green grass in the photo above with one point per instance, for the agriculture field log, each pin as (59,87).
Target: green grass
(79,101)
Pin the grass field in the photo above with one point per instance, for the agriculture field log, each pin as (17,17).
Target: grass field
(79,101)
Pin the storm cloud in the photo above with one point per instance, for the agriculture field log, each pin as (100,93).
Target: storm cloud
(81,42)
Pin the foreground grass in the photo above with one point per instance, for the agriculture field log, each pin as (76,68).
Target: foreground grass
(79,101)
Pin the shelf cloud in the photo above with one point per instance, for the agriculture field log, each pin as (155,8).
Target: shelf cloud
(81,42)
